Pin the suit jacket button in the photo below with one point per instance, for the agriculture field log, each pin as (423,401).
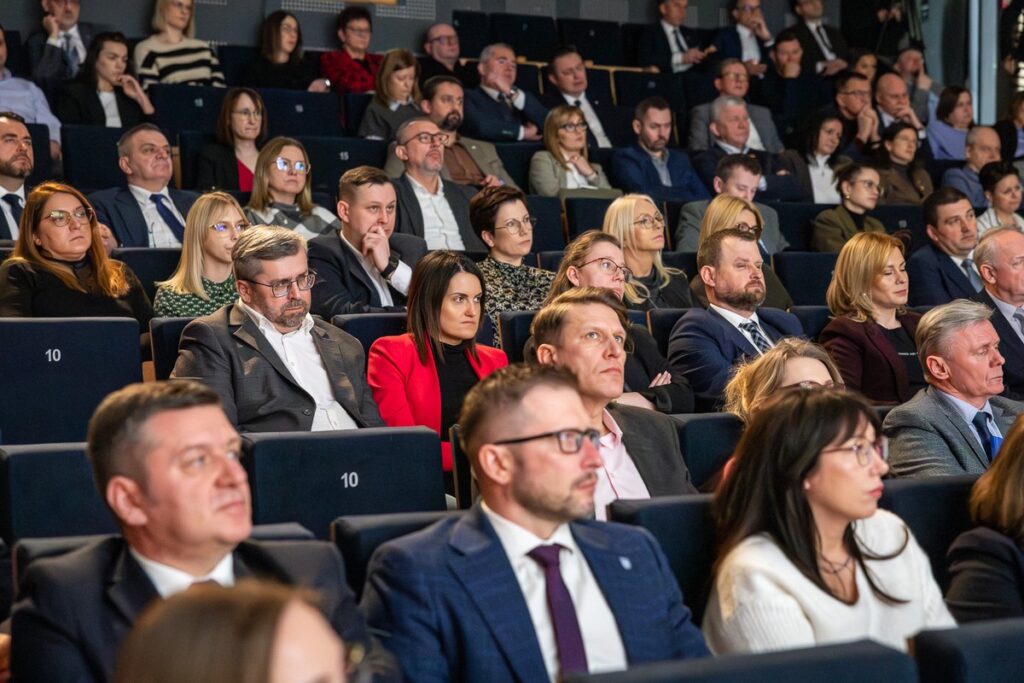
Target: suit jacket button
(307,411)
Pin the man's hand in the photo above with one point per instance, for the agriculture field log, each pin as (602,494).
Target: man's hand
(834,66)
(1010,65)
(530,132)
(693,56)
(791,70)
(51,26)
(924,81)
(907,115)
(661,379)
(5,658)
(867,125)
(320,85)
(376,247)
(760,29)
(54,150)
(755,69)
(107,238)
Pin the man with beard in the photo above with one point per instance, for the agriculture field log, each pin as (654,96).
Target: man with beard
(275,367)
(525,586)
(16,163)
(705,344)
(466,161)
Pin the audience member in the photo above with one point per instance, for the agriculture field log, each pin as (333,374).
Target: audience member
(1001,182)
(244,345)
(736,175)
(282,191)
(898,163)
(787,89)
(429,206)
(58,51)
(999,256)
(871,334)
(865,63)
(639,226)
(395,98)
(953,120)
(732,80)
(981,147)
(441,53)
(705,344)
(497,110)
(567,75)
(280,63)
(1011,129)
(172,54)
(502,221)
(944,270)
(954,426)
(203,281)
(421,377)
(104,93)
(817,159)
(466,161)
(25,99)
(649,166)
(260,632)
(824,47)
(148,212)
(668,44)
(17,161)
(860,120)
(229,163)
(366,266)
(748,40)
(166,461)
(353,68)
(924,92)
(537,461)
(861,188)
(563,168)
(893,106)
(805,556)
(880,26)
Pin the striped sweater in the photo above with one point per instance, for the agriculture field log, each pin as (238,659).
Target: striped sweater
(191,61)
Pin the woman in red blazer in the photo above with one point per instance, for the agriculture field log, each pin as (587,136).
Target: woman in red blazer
(421,377)
(871,337)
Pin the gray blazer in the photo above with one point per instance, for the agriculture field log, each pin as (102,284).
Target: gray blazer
(652,442)
(547,178)
(410,217)
(699,138)
(483,153)
(928,436)
(687,234)
(227,352)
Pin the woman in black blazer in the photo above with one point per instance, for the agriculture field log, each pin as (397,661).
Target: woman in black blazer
(230,163)
(104,94)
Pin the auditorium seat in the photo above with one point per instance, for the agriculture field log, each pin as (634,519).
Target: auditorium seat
(465,491)
(618,126)
(164,337)
(812,318)
(631,33)
(980,652)
(661,321)
(41,169)
(548,234)
(17,59)
(56,371)
(936,511)
(330,157)
(189,144)
(805,275)
(299,112)
(514,328)
(150,264)
(532,36)
(186,107)
(528,77)
(631,87)
(5,252)
(474,29)
(313,477)
(369,327)
(685,261)
(584,213)
(598,41)
(234,59)
(515,157)
(599,85)
(90,157)
(354,105)
(707,441)
(904,217)
(795,221)
(549,260)
(358,536)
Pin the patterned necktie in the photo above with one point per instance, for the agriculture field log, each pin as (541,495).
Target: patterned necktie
(980,423)
(71,56)
(168,216)
(1017,315)
(762,344)
(572,657)
(972,274)
(15,203)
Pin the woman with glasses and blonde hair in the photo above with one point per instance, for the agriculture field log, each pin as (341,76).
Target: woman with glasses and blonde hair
(228,163)
(639,226)
(282,194)
(860,187)
(563,169)
(203,280)
(396,97)
(805,556)
(871,336)
(172,54)
(726,211)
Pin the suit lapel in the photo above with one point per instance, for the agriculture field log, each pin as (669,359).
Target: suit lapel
(643,456)
(350,262)
(132,219)
(966,433)
(961,286)
(734,335)
(247,332)
(129,589)
(331,355)
(410,205)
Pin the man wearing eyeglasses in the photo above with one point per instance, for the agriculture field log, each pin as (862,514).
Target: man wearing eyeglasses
(498,110)
(275,367)
(441,57)
(148,212)
(860,120)
(526,586)
(732,80)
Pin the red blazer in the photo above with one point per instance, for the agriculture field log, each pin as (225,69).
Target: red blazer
(866,359)
(407,392)
(346,74)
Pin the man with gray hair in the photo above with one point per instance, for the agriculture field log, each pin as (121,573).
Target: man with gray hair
(955,425)
(999,256)
(980,148)
(498,111)
(275,367)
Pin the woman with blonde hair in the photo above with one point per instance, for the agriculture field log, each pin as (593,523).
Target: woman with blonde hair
(871,337)
(203,280)
(172,54)
(282,194)
(396,98)
(639,226)
(726,211)
(563,168)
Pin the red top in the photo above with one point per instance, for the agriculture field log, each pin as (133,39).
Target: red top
(244,177)
(348,75)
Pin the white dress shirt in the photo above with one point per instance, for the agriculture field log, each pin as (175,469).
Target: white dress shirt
(735,319)
(8,214)
(400,278)
(749,43)
(170,581)
(672,32)
(299,354)
(160,234)
(823,180)
(440,229)
(593,122)
(989,220)
(109,103)
(619,477)
(601,639)
(825,49)
(959,261)
(76,42)
(1007,310)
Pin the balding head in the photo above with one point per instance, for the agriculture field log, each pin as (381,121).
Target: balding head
(982,147)
(891,94)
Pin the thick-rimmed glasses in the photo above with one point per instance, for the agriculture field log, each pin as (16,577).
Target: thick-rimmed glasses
(648,222)
(871,185)
(224,228)
(573,127)
(863,449)
(62,219)
(570,441)
(606,265)
(518,227)
(754,230)
(286,165)
(428,139)
(279,289)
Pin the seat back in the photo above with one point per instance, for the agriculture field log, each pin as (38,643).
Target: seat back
(805,275)
(234,59)
(313,477)
(330,157)
(298,112)
(369,327)
(617,122)
(795,220)
(547,230)
(812,318)
(474,29)
(515,157)
(971,653)
(904,217)
(598,41)
(528,78)
(685,261)
(164,337)
(584,213)
(514,330)
(530,35)
(56,371)
(150,264)
(42,169)
(90,156)
(354,105)
(707,441)
(550,260)
(189,144)
(186,107)
(661,321)
(631,87)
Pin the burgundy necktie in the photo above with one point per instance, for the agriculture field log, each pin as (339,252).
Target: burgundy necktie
(571,655)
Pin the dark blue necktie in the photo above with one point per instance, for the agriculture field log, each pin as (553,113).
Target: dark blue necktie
(572,658)
(15,203)
(169,218)
(980,423)
(762,344)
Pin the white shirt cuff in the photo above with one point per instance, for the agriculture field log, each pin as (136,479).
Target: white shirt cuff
(401,278)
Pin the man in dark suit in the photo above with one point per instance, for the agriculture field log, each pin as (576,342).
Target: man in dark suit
(56,53)
(441,57)
(567,76)
(852,105)
(945,270)
(275,367)
(732,80)
(525,587)
(166,460)
(705,344)
(999,255)
(429,206)
(669,45)
(498,110)
(748,40)
(366,266)
(147,213)
(649,166)
(825,50)
(956,424)
(788,90)
(16,163)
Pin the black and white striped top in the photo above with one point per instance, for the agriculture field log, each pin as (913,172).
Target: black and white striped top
(191,61)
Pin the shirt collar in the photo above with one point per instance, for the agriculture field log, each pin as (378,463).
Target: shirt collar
(419,189)
(729,148)
(362,259)
(491,92)
(5,73)
(267,327)
(73,31)
(813,24)
(518,541)
(668,28)
(393,105)
(743,31)
(966,410)
(614,436)
(169,580)
(143,195)
(735,319)
(1007,309)
(20,192)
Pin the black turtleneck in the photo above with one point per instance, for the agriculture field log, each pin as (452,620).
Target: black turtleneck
(456,377)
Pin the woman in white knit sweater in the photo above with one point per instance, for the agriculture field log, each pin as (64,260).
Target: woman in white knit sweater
(806,556)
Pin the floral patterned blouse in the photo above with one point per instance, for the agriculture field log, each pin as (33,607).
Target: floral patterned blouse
(513,288)
(168,304)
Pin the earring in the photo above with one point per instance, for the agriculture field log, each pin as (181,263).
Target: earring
(807,485)
(846,197)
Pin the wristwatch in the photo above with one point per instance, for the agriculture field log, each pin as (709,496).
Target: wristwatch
(391,267)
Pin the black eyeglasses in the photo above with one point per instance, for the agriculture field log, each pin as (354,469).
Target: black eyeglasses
(570,441)
(279,289)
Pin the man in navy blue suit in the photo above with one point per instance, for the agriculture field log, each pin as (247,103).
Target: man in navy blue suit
(147,213)
(525,587)
(16,163)
(567,78)
(669,45)
(945,270)
(748,40)
(1000,253)
(705,344)
(498,111)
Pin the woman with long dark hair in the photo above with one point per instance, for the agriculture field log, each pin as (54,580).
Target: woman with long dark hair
(105,93)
